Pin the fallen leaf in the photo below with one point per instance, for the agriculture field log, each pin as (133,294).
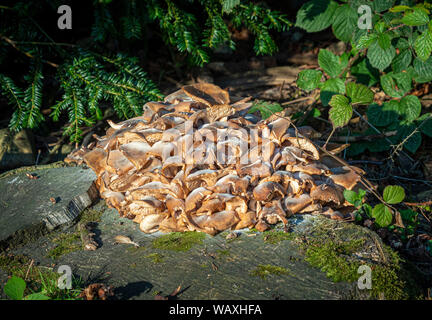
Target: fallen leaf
(126,240)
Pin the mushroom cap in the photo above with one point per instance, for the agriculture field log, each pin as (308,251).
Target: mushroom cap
(207,93)
(294,205)
(267,190)
(328,193)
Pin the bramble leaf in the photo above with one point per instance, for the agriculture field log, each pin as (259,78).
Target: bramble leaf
(341,111)
(359,93)
(383,216)
(309,79)
(393,194)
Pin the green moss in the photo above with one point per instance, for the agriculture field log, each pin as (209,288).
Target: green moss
(179,241)
(275,237)
(331,258)
(65,243)
(223,252)
(90,215)
(155,257)
(336,256)
(263,271)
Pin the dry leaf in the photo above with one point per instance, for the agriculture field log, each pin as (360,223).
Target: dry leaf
(171,296)
(32,176)
(126,240)
(97,291)
(53,200)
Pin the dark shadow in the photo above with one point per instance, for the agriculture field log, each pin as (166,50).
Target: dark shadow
(132,290)
(97,233)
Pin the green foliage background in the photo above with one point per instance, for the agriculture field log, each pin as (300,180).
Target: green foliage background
(87,73)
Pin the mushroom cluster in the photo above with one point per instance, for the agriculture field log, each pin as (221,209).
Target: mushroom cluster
(200,162)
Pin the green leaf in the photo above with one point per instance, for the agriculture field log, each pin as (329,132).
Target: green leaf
(414,142)
(399,8)
(393,194)
(384,41)
(417,17)
(422,70)
(383,115)
(329,62)
(382,215)
(266,109)
(37,296)
(396,84)
(14,288)
(341,111)
(423,45)
(330,88)
(402,61)
(316,15)
(366,40)
(365,73)
(354,198)
(309,79)
(382,5)
(410,108)
(426,127)
(345,22)
(380,58)
(359,93)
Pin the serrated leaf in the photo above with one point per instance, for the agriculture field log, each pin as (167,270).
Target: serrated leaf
(37,296)
(384,41)
(330,88)
(383,115)
(365,73)
(422,70)
(382,215)
(345,22)
(410,108)
(266,109)
(359,93)
(382,5)
(14,288)
(316,15)
(341,111)
(366,40)
(402,61)
(329,62)
(396,84)
(309,79)
(380,58)
(423,45)
(393,194)
(417,17)
(414,142)
(399,8)
(426,127)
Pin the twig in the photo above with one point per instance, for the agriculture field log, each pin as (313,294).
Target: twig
(378,131)
(28,270)
(13,44)
(371,137)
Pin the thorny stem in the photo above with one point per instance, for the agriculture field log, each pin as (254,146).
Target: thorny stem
(378,131)
(400,145)
(13,44)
